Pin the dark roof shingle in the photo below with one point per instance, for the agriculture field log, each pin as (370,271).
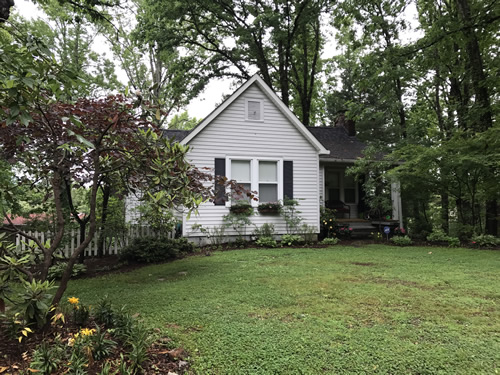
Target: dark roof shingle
(341,145)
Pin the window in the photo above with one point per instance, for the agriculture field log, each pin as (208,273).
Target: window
(349,189)
(241,172)
(268,181)
(255,174)
(333,183)
(254,109)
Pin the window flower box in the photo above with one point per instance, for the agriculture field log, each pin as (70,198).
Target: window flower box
(241,208)
(271,208)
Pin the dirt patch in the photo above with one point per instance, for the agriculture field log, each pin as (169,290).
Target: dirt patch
(367,264)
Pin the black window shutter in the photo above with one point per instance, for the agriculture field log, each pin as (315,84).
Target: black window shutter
(288,179)
(220,190)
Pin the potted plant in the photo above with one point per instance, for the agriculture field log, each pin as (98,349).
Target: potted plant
(269,208)
(241,208)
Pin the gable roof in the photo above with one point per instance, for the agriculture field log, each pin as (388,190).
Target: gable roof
(273,98)
(342,146)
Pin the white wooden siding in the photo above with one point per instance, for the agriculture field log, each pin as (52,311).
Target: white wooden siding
(275,137)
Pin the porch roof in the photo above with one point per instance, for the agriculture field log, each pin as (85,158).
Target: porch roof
(342,146)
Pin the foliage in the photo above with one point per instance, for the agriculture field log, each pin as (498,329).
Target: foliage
(284,42)
(327,220)
(330,241)
(101,345)
(401,240)
(438,235)
(155,249)
(399,231)
(139,341)
(104,313)
(343,231)
(265,230)
(183,122)
(98,138)
(238,221)
(215,234)
(290,215)
(291,239)
(34,301)
(265,241)
(308,232)
(47,358)
(241,208)
(161,221)
(486,240)
(56,271)
(269,208)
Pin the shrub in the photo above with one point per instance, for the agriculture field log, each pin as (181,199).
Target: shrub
(401,240)
(104,313)
(34,301)
(453,242)
(266,242)
(308,232)
(150,250)
(330,241)
(47,358)
(437,235)
(291,239)
(266,230)
(57,270)
(486,240)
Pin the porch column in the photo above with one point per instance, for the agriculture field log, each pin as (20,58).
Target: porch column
(397,211)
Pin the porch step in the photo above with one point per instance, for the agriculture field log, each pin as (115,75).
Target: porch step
(360,228)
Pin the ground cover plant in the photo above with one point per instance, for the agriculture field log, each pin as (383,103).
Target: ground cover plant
(339,310)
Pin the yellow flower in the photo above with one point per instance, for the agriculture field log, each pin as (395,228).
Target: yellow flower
(73,300)
(331,227)
(87,332)
(331,219)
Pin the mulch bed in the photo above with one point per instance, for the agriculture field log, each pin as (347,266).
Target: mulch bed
(16,357)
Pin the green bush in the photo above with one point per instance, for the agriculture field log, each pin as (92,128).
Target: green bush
(401,240)
(57,270)
(330,241)
(291,239)
(266,242)
(266,230)
(453,242)
(34,301)
(486,240)
(152,249)
(437,235)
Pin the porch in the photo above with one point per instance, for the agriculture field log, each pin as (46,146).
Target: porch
(341,192)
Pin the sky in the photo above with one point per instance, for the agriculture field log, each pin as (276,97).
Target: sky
(201,106)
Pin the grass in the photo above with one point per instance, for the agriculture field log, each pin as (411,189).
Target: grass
(342,310)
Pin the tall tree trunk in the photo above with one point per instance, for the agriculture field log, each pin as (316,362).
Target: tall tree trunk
(445,212)
(106,193)
(482,103)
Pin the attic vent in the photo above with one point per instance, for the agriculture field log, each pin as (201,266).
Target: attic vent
(254,110)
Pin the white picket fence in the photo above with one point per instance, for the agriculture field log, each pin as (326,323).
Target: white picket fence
(112,245)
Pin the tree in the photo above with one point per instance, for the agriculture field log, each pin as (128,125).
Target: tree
(282,39)
(165,77)
(81,144)
(183,122)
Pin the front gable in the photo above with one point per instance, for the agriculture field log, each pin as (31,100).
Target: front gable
(254,105)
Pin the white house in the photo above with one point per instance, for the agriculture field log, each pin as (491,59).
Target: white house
(253,138)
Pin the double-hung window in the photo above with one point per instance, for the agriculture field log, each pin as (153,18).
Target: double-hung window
(265,176)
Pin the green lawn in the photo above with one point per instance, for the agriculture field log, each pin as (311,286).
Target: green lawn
(342,310)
